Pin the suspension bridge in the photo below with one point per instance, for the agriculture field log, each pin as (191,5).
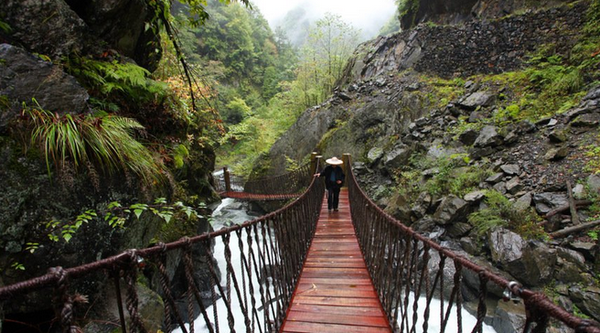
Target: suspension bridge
(298,269)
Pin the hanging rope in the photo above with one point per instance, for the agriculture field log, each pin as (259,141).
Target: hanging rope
(403,265)
(394,264)
(271,247)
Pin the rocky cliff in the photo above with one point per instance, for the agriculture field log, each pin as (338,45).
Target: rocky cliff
(49,51)
(414,12)
(453,131)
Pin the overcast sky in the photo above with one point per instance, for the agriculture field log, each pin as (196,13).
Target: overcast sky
(367,15)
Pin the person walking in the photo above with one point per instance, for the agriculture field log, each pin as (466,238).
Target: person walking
(334,180)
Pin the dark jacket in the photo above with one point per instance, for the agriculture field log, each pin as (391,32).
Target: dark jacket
(339,175)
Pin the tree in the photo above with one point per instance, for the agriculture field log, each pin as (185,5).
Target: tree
(330,44)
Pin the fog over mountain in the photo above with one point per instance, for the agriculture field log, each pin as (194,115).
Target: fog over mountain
(368,16)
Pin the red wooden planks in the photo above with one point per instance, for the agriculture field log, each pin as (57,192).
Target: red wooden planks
(335,293)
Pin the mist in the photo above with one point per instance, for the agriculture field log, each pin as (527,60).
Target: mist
(368,16)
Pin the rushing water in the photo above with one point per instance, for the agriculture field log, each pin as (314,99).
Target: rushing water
(231,212)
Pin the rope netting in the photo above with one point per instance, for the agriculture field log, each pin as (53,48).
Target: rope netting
(250,292)
(281,187)
(412,273)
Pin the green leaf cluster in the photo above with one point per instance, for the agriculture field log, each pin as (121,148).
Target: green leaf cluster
(500,212)
(105,140)
(115,77)
(58,230)
(5,27)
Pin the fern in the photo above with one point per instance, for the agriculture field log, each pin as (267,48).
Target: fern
(116,77)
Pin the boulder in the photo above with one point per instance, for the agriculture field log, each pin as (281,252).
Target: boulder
(422,205)
(586,120)
(24,77)
(587,249)
(56,35)
(547,201)
(523,202)
(459,229)
(556,153)
(468,137)
(495,178)
(536,266)
(84,27)
(488,137)
(514,185)
(399,208)
(474,196)
(451,209)
(476,99)
(397,157)
(374,154)
(569,266)
(593,182)
(511,169)
(587,299)
(558,136)
(509,317)
(505,246)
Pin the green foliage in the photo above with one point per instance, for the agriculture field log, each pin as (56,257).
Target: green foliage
(391,26)
(451,175)
(291,164)
(443,91)
(408,7)
(197,10)
(462,125)
(4,103)
(114,77)
(501,213)
(106,140)
(65,231)
(236,111)
(593,234)
(592,154)
(180,153)
(330,44)
(577,312)
(5,27)
(116,216)
(507,114)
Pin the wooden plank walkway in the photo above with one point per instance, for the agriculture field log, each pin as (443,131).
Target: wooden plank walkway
(335,293)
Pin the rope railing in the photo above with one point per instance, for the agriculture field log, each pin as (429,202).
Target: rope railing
(250,293)
(281,187)
(410,272)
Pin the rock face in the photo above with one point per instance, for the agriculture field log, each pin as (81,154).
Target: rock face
(389,107)
(25,78)
(42,35)
(451,12)
(78,26)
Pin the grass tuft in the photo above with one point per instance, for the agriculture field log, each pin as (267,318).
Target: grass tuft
(106,140)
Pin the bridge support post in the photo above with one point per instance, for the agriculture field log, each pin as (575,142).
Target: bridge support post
(347,159)
(315,162)
(227,179)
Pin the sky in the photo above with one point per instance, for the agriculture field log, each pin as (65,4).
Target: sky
(367,15)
